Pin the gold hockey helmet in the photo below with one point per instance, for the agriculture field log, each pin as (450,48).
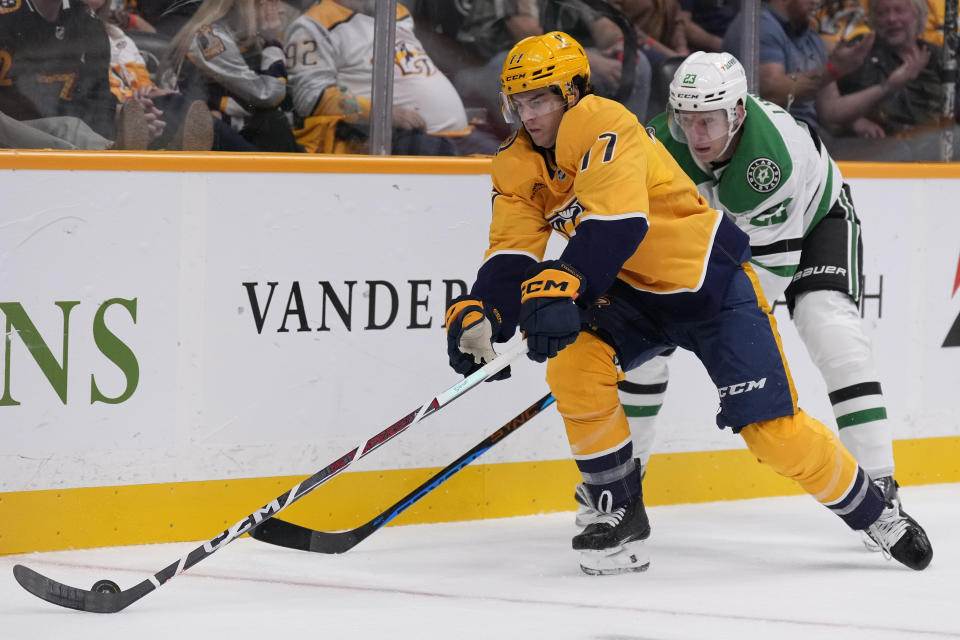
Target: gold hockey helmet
(551,60)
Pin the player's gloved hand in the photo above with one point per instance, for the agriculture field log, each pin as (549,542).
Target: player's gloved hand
(549,318)
(471,327)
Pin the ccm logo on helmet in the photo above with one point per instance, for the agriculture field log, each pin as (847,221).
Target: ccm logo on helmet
(515,77)
(688,95)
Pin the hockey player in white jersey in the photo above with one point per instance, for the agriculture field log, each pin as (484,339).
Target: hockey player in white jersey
(775,179)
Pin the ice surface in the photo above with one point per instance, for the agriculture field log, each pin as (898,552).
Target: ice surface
(775,568)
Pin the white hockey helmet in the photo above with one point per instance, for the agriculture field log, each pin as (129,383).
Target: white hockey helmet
(707,82)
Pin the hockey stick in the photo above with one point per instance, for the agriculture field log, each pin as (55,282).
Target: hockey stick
(107,597)
(293,536)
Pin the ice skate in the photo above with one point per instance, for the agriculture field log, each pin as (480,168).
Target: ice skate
(614,542)
(587,512)
(891,496)
(900,537)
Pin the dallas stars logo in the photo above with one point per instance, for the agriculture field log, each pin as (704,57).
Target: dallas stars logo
(763,175)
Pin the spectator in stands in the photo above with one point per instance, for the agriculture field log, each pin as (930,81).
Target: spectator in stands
(707,21)
(490,28)
(71,133)
(590,23)
(660,25)
(230,55)
(797,73)
(330,49)
(903,76)
(181,125)
(56,60)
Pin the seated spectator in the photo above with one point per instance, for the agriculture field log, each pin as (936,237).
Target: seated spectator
(230,55)
(903,76)
(707,21)
(797,73)
(589,22)
(487,30)
(70,133)
(660,26)
(56,59)
(178,125)
(331,74)
(491,28)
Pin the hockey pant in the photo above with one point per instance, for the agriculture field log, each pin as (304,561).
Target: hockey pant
(740,348)
(829,324)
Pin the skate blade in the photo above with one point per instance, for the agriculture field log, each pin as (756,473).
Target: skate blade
(630,557)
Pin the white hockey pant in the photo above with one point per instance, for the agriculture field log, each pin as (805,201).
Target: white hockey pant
(829,325)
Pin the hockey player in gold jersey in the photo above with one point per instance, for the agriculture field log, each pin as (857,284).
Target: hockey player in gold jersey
(648,266)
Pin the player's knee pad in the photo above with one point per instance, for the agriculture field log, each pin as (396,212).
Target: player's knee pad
(583,378)
(829,325)
(802,449)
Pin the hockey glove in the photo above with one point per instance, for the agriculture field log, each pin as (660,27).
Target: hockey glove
(471,328)
(549,318)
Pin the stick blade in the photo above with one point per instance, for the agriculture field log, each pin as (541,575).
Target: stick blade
(74,598)
(293,536)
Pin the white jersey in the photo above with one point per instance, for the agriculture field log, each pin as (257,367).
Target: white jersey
(778,185)
(330,61)
(214,51)
(128,70)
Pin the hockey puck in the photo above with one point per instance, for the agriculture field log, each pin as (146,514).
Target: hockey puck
(106,586)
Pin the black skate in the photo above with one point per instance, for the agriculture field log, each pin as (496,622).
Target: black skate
(613,543)
(900,537)
(889,489)
(587,512)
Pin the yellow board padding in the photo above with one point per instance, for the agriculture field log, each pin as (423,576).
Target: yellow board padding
(219,162)
(50,160)
(195,511)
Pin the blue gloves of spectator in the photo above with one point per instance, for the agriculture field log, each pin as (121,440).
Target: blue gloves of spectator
(549,317)
(471,327)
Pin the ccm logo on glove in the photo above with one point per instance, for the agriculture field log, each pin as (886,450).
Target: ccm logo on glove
(551,283)
(549,317)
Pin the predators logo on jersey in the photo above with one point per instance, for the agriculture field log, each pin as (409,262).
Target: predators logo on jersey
(210,43)
(9,6)
(564,218)
(410,61)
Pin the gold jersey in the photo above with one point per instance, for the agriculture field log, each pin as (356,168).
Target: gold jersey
(607,168)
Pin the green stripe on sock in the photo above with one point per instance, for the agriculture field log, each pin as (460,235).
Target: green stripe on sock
(633,411)
(860,417)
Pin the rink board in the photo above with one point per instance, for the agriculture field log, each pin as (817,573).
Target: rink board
(156,385)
